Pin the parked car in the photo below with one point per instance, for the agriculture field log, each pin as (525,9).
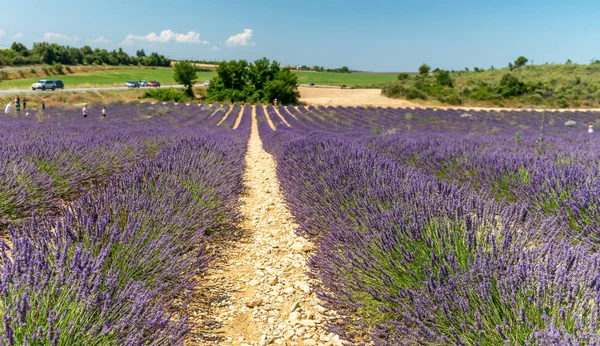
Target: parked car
(312,84)
(206,83)
(44,84)
(59,84)
(154,84)
(132,84)
(143,83)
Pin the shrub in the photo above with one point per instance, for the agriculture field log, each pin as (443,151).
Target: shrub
(403,76)
(424,69)
(398,90)
(453,99)
(166,95)
(443,78)
(58,69)
(69,69)
(511,86)
(562,102)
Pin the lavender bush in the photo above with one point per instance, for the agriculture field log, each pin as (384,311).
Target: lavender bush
(115,265)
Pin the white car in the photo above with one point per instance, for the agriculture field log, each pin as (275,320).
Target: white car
(206,83)
(44,84)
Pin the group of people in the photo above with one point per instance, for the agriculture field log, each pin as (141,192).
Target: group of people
(8,107)
(84,111)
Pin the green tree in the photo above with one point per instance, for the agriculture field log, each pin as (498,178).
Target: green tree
(424,70)
(284,88)
(185,73)
(521,61)
(140,53)
(512,86)
(262,71)
(20,48)
(443,78)
(403,76)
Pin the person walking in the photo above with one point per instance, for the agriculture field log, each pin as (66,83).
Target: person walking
(84,111)
(8,108)
(103,112)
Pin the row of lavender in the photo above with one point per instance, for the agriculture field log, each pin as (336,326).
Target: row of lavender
(48,159)
(115,265)
(453,237)
(393,120)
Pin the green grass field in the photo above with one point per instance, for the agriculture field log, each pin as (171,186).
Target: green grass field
(106,78)
(349,79)
(165,77)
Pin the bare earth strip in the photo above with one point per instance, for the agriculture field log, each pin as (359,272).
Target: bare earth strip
(349,97)
(257,292)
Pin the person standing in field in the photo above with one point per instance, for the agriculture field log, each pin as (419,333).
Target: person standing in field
(24,103)
(7,109)
(591,128)
(18,108)
(84,111)
(275,102)
(17,99)
(43,105)
(103,112)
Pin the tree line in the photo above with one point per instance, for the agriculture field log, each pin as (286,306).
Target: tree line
(51,53)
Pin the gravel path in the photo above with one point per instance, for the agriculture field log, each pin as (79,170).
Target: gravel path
(257,292)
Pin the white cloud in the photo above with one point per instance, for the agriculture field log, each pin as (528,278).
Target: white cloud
(215,48)
(51,36)
(2,32)
(242,39)
(17,36)
(166,36)
(101,40)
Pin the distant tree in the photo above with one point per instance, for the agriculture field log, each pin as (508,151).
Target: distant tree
(511,66)
(403,76)
(140,53)
(521,61)
(511,86)
(284,88)
(20,48)
(443,78)
(424,70)
(492,68)
(569,62)
(467,69)
(185,73)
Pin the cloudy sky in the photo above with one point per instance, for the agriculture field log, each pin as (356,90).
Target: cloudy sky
(376,35)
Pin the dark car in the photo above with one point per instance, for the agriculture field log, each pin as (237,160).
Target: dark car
(59,84)
(154,84)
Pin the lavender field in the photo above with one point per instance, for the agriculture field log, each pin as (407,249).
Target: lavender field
(107,219)
(446,226)
(431,226)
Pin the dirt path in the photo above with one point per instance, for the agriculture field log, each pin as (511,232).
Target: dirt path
(260,292)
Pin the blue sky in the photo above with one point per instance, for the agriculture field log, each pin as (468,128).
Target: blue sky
(371,35)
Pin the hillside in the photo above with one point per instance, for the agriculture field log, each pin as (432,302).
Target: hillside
(541,86)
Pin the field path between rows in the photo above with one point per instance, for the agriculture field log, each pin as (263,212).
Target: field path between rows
(257,291)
